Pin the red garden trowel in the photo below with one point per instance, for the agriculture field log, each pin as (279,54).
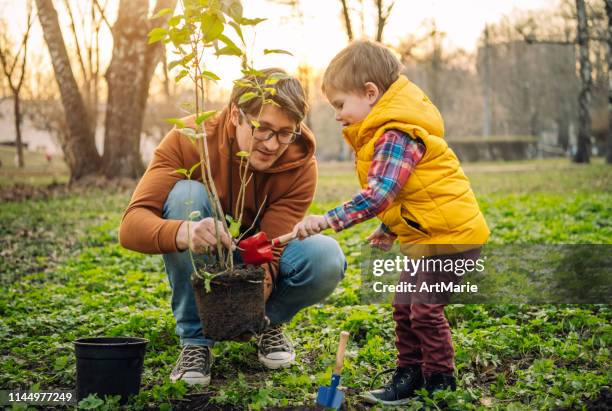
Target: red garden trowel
(330,396)
(257,249)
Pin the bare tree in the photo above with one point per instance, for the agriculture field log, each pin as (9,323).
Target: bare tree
(128,76)
(15,78)
(383,12)
(87,50)
(79,147)
(584,99)
(487,88)
(609,137)
(582,39)
(347,20)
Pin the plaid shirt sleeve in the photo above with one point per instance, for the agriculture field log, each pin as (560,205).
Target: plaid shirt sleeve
(395,156)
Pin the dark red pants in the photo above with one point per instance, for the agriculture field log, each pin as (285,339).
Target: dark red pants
(422,333)
(423,337)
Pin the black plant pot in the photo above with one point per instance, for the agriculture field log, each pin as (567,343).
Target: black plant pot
(109,366)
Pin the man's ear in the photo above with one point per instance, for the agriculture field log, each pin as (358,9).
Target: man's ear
(371,92)
(234,115)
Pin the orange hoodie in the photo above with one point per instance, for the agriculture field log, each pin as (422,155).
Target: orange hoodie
(287,187)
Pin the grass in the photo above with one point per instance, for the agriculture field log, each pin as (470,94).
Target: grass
(37,170)
(64,276)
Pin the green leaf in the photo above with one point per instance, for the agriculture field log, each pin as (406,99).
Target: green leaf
(60,363)
(238,31)
(212,27)
(229,51)
(252,72)
(180,75)
(234,9)
(210,75)
(193,167)
(276,51)
(176,121)
(234,229)
(228,42)
(157,34)
(270,90)
(205,116)
(182,171)
(244,83)
(207,281)
(174,20)
(275,78)
(174,63)
(179,36)
(248,96)
(162,13)
(182,61)
(91,402)
(270,101)
(243,154)
(250,22)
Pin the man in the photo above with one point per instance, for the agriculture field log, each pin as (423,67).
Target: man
(283,184)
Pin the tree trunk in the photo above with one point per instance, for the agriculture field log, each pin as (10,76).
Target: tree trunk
(382,16)
(347,20)
(488,101)
(609,137)
(18,140)
(79,147)
(563,131)
(128,77)
(584,99)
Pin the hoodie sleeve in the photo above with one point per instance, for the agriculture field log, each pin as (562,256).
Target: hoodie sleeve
(142,227)
(283,214)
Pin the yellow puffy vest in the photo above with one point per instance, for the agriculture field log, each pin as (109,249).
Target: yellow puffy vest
(437,204)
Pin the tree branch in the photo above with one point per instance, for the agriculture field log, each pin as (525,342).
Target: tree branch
(101,10)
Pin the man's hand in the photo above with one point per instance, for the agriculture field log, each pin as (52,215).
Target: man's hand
(381,239)
(310,225)
(200,235)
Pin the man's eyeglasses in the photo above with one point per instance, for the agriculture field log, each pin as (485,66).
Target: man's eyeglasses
(263,133)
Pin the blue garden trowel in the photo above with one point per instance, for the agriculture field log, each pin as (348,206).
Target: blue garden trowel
(330,396)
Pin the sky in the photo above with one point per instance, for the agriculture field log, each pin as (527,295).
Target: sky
(320,33)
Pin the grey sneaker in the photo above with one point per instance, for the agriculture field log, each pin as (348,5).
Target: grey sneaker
(193,365)
(274,349)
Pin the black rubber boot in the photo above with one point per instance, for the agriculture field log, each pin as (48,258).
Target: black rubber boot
(440,382)
(400,389)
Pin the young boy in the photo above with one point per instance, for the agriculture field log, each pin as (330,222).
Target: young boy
(413,182)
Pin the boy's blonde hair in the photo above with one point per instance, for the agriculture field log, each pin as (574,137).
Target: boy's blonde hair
(360,62)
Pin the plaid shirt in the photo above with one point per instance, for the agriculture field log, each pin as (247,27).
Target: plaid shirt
(395,156)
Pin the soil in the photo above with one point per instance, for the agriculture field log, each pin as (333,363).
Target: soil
(235,305)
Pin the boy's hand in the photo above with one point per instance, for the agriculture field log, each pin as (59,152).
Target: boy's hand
(381,239)
(310,225)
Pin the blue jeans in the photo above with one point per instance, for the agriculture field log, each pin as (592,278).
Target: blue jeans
(309,270)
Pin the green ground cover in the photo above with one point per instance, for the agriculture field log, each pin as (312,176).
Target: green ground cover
(64,276)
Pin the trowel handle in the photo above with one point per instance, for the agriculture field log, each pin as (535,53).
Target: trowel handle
(283,239)
(344,336)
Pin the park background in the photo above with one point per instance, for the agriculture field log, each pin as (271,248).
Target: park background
(524,88)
